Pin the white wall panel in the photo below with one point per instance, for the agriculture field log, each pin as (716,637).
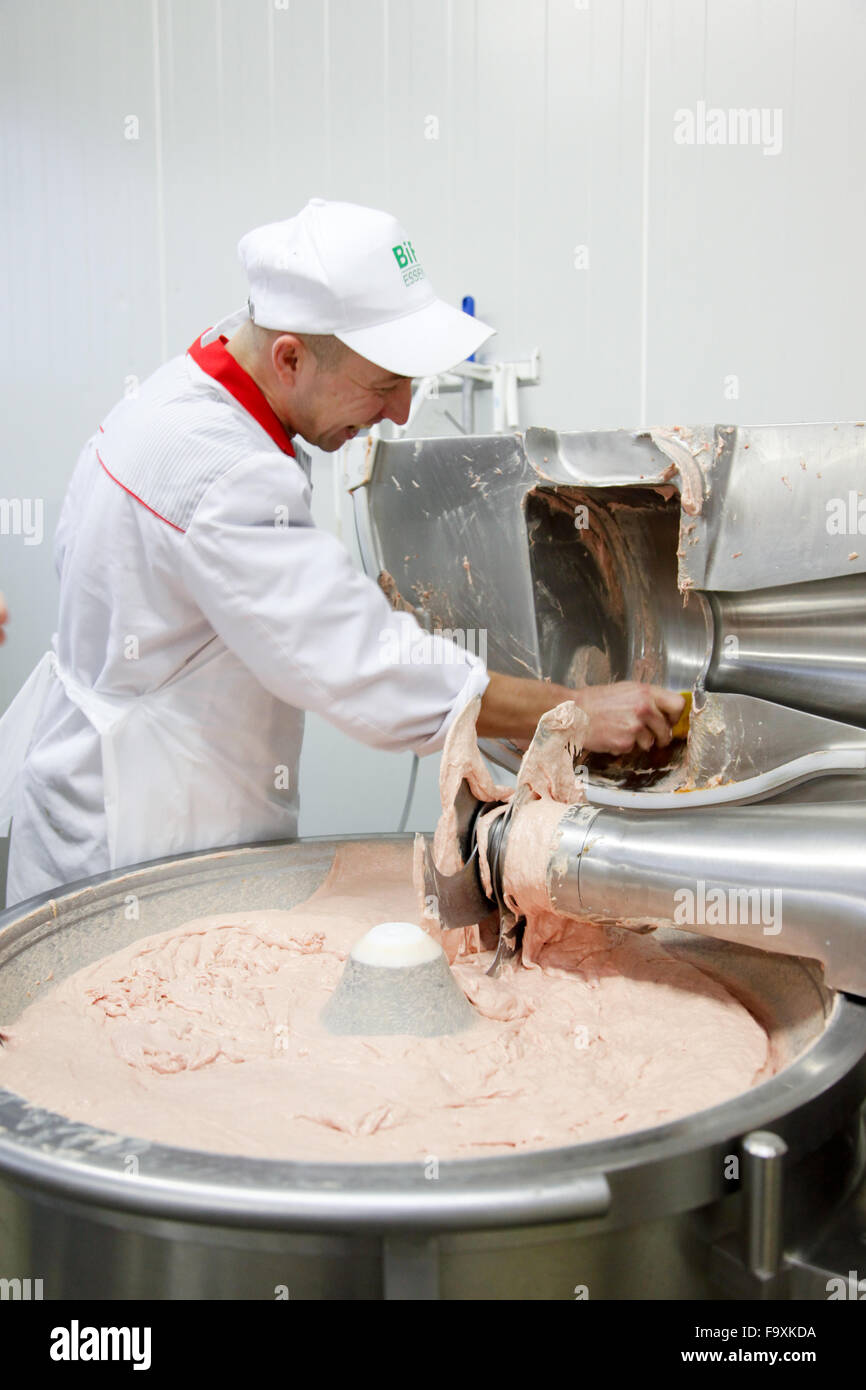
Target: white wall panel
(506,134)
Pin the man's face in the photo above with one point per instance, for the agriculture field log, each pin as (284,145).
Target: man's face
(331,404)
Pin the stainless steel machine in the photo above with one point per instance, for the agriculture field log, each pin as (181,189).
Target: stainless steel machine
(756,1197)
(726,560)
(570,556)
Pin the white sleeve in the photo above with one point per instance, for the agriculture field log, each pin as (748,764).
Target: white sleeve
(286,598)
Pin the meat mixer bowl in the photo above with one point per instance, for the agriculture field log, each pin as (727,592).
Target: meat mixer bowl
(647,1215)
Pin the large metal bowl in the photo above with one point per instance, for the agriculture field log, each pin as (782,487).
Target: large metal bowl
(100,1215)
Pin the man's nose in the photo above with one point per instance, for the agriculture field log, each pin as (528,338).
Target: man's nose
(398,406)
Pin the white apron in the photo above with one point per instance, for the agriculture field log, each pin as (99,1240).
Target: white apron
(208,759)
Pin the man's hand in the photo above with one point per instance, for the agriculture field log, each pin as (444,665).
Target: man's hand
(628,715)
(621,716)
(4,618)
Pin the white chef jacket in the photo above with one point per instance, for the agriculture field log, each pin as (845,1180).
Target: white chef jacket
(201,611)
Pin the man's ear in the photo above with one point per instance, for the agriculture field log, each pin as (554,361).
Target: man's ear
(289,357)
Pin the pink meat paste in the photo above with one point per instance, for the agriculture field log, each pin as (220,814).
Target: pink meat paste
(208,1035)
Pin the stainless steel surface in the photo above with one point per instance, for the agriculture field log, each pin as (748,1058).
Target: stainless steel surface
(725,560)
(410,1268)
(829,770)
(800,645)
(769,494)
(763,1179)
(753,874)
(583,565)
(100,1215)
(459,897)
(758,875)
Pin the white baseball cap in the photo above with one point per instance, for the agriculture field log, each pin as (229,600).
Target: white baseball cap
(352,271)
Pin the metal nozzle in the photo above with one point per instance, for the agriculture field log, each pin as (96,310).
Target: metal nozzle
(789,879)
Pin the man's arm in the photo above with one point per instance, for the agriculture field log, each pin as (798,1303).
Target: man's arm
(620,716)
(313,630)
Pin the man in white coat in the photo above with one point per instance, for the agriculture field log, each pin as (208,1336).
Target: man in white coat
(201,611)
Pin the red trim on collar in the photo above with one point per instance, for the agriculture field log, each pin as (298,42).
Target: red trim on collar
(220,364)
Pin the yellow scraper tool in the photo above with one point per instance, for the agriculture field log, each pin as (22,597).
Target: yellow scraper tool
(681,728)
